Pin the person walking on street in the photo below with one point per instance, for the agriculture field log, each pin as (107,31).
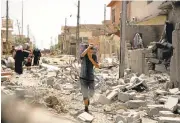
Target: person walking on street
(37,55)
(19,58)
(88,61)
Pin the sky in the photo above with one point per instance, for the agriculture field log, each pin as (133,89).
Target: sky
(45,17)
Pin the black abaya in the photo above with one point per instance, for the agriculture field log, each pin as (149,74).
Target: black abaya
(18,62)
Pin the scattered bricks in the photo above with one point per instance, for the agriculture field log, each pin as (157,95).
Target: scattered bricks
(147,120)
(168,120)
(103,100)
(123,97)
(133,104)
(121,119)
(166,114)
(86,117)
(171,103)
(174,90)
(139,97)
(112,95)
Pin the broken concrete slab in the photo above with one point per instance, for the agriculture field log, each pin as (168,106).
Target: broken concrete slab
(161,92)
(166,114)
(124,97)
(171,103)
(174,90)
(121,119)
(147,120)
(103,100)
(86,117)
(139,97)
(112,95)
(68,86)
(134,104)
(168,120)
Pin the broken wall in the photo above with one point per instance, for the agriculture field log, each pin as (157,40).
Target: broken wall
(150,33)
(175,60)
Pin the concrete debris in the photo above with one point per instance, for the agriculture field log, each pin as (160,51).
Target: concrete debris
(68,86)
(171,103)
(120,119)
(134,104)
(174,90)
(166,114)
(168,120)
(147,120)
(50,81)
(112,95)
(103,100)
(86,117)
(124,97)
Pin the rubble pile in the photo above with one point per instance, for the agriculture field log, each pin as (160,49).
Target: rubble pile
(132,99)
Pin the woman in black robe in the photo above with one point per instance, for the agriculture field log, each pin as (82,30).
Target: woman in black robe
(19,57)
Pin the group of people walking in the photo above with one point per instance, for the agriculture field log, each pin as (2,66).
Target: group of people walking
(24,56)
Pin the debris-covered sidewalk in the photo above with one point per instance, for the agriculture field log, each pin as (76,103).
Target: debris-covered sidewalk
(132,99)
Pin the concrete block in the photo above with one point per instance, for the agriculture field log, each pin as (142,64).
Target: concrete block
(166,114)
(152,112)
(123,97)
(171,103)
(86,117)
(112,95)
(133,104)
(168,120)
(103,100)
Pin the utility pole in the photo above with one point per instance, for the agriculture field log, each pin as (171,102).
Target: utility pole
(27,31)
(7,26)
(77,32)
(104,30)
(65,28)
(22,15)
(122,41)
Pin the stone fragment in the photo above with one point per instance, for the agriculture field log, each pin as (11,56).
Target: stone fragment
(103,100)
(168,120)
(123,97)
(50,81)
(86,117)
(166,113)
(139,97)
(68,86)
(134,79)
(147,120)
(174,90)
(133,117)
(152,112)
(161,92)
(171,103)
(20,92)
(121,119)
(112,95)
(133,104)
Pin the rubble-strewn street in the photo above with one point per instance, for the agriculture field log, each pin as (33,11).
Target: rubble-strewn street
(132,99)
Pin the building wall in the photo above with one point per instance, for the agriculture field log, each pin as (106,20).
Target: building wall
(174,16)
(141,10)
(118,8)
(149,33)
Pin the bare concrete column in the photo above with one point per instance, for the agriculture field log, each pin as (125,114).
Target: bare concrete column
(175,62)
